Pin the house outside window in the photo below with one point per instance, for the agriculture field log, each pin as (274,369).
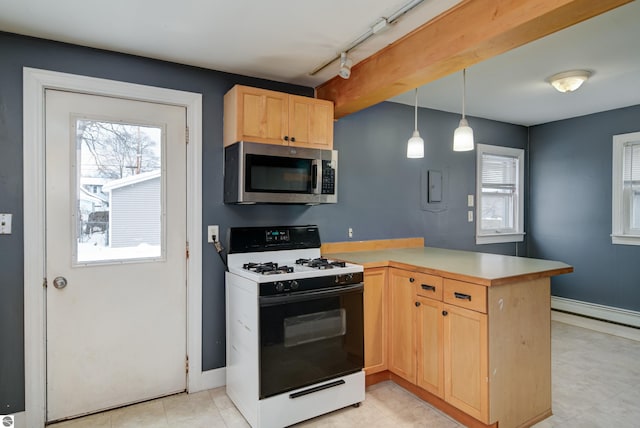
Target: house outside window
(500,194)
(626,189)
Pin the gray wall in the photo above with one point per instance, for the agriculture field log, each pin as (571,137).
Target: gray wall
(570,209)
(379,188)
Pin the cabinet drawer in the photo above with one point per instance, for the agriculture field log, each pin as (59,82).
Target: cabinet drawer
(465,295)
(428,285)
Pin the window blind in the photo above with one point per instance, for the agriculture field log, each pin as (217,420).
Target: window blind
(631,163)
(499,172)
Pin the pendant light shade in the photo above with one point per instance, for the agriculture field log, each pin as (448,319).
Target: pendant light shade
(415,145)
(463,135)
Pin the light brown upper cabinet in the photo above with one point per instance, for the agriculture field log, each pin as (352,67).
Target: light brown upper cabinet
(270,117)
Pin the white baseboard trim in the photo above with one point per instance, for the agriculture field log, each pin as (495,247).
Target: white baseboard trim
(208,380)
(601,312)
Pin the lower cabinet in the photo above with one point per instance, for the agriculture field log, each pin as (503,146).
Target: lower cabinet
(429,341)
(437,345)
(402,337)
(375,320)
(465,361)
(484,350)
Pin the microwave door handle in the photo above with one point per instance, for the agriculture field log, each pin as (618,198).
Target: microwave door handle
(316,177)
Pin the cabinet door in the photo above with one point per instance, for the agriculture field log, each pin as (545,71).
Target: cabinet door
(402,354)
(429,326)
(256,115)
(310,122)
(466,361)
(375,320)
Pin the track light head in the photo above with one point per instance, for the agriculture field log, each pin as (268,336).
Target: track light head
(345,66)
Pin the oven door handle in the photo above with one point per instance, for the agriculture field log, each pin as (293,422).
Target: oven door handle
(311,295)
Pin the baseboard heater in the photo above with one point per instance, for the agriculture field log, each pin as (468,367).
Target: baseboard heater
(610,314)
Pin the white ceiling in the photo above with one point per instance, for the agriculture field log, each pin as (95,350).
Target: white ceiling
(285,40)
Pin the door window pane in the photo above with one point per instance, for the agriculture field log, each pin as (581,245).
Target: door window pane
(119,191)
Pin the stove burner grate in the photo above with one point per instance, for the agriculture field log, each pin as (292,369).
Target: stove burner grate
(267,268)
(320,263)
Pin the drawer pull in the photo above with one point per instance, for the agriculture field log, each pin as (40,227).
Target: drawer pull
(428,287)
(462,296)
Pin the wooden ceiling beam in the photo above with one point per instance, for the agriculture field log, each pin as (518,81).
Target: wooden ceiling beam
(470,32)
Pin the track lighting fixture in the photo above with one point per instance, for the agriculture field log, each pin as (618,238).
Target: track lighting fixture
(345,66)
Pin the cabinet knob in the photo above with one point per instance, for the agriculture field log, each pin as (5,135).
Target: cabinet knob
(293,139)
(417,304)
(286,138)
(445,313)
(412,279)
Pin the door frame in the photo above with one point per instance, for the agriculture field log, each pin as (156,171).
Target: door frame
(35,81)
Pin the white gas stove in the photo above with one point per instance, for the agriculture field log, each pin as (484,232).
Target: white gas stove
(295,346)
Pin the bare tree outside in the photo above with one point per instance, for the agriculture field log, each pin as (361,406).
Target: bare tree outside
(118,150)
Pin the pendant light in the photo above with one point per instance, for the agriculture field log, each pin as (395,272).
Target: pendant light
(463,135)
(415,145)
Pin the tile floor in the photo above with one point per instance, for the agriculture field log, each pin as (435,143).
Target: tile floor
(596,383)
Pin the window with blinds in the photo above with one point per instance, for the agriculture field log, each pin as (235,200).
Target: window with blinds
(499,194)
(626,189)
(631,184)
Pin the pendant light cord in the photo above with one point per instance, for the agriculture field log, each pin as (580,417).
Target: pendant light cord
(416,110)
(464,89)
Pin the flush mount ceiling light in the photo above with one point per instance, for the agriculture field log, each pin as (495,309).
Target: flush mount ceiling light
(569,81)
(463,135)
(415,145)
(345,66)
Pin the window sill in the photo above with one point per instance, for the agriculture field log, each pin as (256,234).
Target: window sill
(625,239)
(499,238)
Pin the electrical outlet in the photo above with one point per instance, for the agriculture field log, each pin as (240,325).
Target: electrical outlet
(470,200)
(212,230)
(5,224)
(350,233)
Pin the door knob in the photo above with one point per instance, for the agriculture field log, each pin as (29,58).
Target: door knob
(60,282)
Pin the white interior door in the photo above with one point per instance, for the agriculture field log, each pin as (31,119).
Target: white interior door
(116,236)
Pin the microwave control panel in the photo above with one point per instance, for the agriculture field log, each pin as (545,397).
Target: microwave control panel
(328,178)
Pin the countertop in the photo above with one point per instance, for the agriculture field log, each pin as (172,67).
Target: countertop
(483,268)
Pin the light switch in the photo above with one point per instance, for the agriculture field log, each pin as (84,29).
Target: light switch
(470,201)
(5,224)
(470,216)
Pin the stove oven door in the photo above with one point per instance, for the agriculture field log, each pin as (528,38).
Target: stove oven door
(310,337)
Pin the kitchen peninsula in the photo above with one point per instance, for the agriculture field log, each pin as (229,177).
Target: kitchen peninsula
(468,332)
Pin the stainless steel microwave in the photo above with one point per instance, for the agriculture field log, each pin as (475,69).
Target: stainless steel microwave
(272,174)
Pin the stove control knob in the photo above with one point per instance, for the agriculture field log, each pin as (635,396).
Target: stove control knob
(279,287)
(294,285)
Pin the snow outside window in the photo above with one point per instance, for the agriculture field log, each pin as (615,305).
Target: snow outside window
(500,194)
